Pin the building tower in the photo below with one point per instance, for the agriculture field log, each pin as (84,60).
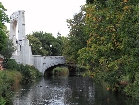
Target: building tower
(23,52)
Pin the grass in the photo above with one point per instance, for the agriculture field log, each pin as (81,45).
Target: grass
(60,71)
(8,81)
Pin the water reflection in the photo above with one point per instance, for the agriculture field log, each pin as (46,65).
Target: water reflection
(57,91)
(66,91)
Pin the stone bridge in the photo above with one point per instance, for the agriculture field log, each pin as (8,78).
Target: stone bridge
(23,53)
(42,63)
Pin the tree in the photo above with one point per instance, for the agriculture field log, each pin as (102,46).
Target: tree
(3,19)
(8,49)
(89,1)
(48,42)
(36,46)
(76,37)
(112,47)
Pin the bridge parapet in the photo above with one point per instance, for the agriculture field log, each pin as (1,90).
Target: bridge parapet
(44,62)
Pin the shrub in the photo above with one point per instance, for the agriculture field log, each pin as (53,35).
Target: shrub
(12,76)
(80,68)
(60,71)
(2,101)
(8,81)
(29,73)
(10,64)
(132,89)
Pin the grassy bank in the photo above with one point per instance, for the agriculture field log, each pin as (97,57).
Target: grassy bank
(29,73)
(14,75)
(60,71)
(8,81)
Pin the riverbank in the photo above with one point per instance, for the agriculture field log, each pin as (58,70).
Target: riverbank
(8,81)
(113,81)
(13,76)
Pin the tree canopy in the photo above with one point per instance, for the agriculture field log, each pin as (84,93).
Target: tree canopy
(107,43)
(8,49)
(3,30)
(43,43)
(76,37)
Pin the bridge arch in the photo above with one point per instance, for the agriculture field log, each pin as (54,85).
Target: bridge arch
(48,71)
(43,63)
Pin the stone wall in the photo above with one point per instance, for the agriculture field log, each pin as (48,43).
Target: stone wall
(44,62)
(23,54)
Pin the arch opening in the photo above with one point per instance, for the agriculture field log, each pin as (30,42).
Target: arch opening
(17,29)
(49,71)
(23,53)
(13,34)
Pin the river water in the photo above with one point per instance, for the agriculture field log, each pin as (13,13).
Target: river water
(68,91)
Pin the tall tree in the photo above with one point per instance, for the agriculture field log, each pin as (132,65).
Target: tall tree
(112,47)
(3,19)
(76,36)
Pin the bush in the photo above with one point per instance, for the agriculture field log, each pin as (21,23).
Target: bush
(8,81)
(2,101)
(60,71)
(29,73)
(81,68)
(12,76)
(132,89)
(10,64)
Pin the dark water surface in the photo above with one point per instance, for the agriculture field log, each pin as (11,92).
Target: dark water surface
(68,91)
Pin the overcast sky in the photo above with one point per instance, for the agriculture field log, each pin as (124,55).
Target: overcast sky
(45,15)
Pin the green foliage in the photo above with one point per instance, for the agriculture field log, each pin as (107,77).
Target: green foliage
(8,49)
(2,101)
(112,46)
(89,1)
(8,81)
(110,36)
(132,89)
(13,76)
(36,46)
(80,68)
(10,64)
(3,19)
(60,71)
(76,37)
(45,43)
(29,73)
(85,74)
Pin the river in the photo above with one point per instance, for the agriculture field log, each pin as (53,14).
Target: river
(68,91)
